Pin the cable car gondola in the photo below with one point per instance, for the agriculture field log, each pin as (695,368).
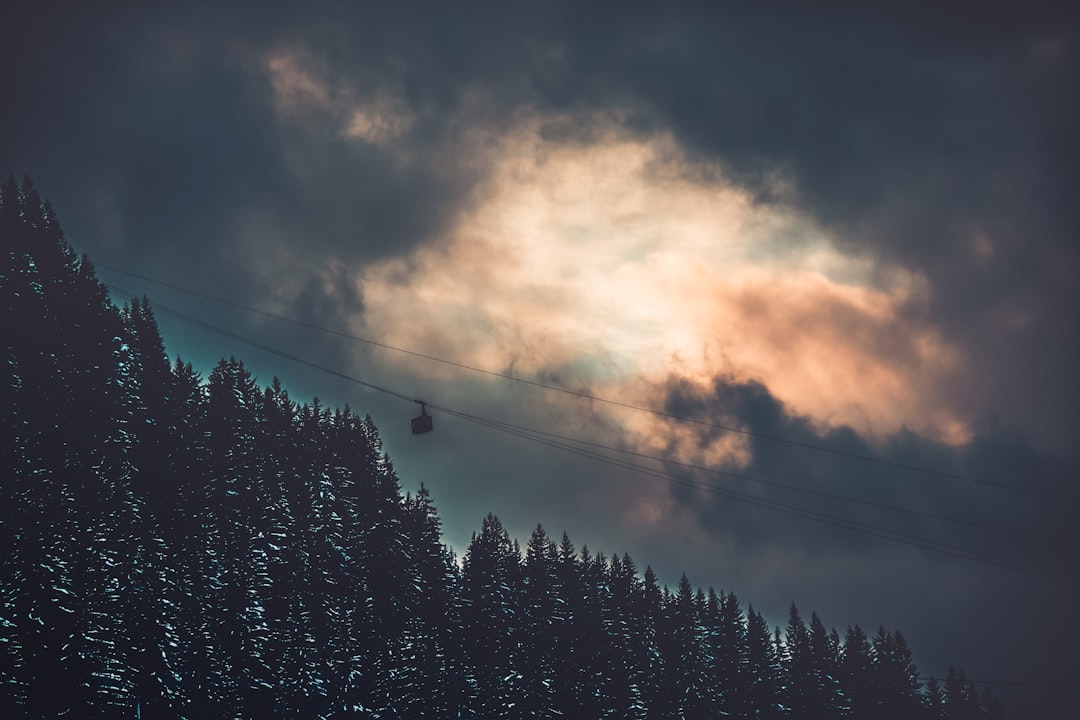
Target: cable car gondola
(422,423)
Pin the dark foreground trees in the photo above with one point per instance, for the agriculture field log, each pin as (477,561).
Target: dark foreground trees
(174,547)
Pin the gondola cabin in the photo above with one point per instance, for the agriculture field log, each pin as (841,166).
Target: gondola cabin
(422,423)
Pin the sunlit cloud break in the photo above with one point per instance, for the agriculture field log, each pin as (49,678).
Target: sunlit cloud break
(617,263)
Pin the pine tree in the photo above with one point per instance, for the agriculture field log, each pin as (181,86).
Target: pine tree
(857,675)
(538,616)
(828,696)
(687,669)
(596,656)
(629,639)
(765,695)
(934,701)
(373,545)
(73,476)
(431,628)
(726,647)
(152,607)
(961,701)
(286,542)
(569,646)
(489,623)
(991,707)
(232,625)
(896,677)
(654,687)
(798,664)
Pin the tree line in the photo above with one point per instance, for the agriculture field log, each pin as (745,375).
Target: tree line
(174,546)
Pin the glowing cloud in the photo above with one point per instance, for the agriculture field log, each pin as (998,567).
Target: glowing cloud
(617,263)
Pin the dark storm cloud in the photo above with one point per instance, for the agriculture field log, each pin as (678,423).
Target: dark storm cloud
(844,572)
(160,131)
(926,118)
(1034,528)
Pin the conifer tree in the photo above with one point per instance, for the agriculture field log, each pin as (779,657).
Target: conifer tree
(630,641)
(828,696)
(538,616)
(596,661)
(934,700)
(991,707)
(961,702)
(896,677)
(687,668)
(765,696)
(489,623)
(568,644)
(798,665)
(233,569)
(81,517)
(726,644)
(654,628)
(432,626)
(857,674)
(670,695)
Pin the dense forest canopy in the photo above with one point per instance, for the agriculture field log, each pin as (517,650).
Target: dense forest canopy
(179,546)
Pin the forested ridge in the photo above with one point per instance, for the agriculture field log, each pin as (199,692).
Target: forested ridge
(174,546)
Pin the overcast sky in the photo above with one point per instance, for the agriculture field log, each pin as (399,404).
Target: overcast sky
(844,229)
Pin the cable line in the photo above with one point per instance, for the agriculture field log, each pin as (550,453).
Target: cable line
(794,488)
(256,344)
(596,398)
(773,483)
(853,525)
(1007,683)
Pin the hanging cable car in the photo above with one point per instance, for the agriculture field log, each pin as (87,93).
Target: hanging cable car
(422,423)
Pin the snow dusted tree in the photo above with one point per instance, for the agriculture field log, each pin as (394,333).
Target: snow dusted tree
(688,667)
(50,489)
(857,674)
(896,678)
(490,622)
(432,661)
(628,635)
(828,695)
(766,694)
(961,701)
(538,600)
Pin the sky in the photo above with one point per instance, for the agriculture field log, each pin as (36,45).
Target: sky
(795,236)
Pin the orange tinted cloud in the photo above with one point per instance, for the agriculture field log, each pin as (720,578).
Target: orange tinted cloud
(618,264)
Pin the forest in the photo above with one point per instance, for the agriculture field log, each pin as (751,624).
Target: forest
(179,546)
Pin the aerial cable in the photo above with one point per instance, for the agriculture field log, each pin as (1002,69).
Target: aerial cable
(424,426)
(596,398)
(773,483)
(165,310)
(1005,683)
(855,526)
(864,528)
(852,525)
